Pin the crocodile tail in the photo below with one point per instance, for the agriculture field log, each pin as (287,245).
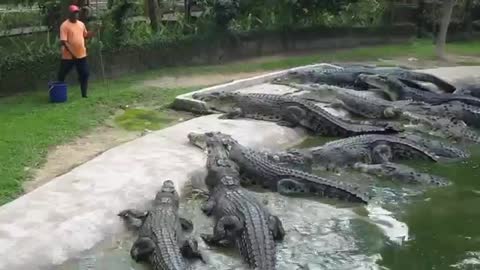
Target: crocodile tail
(336,189)
(466,99)
(440,83)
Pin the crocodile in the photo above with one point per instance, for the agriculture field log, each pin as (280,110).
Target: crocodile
(397,90)
(441,149)
(291,158)
(258,170)
(160,229)
(399,172)
(240,219)
(450,128)
(367,106)
(356,102)
(349,77)
(287,111)
(454,109)
(370,148)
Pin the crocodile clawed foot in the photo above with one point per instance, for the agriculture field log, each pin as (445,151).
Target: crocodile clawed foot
(210,240)
(186,224)
(207,207)
(142,249)
(234,114)
(133,218)
(286,124)
(189,249)
(276,227)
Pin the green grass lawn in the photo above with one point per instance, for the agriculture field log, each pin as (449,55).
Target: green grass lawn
(30,126)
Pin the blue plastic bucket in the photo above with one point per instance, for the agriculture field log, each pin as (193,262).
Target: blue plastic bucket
(57,92)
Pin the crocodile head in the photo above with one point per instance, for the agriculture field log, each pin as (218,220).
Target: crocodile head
(167,194)
(389,85)
(222,101)
(380,170)
(402,173)
(200,139)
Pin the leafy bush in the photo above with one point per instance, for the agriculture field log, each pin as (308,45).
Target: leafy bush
(12,20)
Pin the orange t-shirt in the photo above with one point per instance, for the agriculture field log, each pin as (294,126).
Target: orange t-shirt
(74,34)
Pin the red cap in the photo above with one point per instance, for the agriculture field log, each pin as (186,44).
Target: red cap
(73,8)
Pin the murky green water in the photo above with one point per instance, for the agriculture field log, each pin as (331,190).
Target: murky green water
(443,227)
(444,223)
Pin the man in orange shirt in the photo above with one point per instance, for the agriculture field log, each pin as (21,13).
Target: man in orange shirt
(74,53)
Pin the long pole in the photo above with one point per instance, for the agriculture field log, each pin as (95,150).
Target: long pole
(101,55)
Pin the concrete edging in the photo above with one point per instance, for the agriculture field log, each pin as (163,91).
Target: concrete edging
(185,102)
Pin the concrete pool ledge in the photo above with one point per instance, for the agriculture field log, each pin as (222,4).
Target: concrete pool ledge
(187,103)
(77,210)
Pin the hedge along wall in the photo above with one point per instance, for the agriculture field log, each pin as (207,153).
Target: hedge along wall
(31,73)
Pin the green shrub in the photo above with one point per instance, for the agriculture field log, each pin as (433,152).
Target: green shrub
(12,20)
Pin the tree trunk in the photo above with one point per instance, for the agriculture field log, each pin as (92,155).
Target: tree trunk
(187,5)
(153,11)
(468,18)
(446,13)
(420,18)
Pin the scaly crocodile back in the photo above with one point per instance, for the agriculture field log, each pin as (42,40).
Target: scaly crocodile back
(162,225)
(259,167)
(359,103)
(438,147)
(255,242)
(401,148)
(324,123)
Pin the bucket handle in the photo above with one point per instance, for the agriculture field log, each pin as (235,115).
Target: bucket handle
(51,87)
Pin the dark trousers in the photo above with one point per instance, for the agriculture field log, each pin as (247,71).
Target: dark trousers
(82,70)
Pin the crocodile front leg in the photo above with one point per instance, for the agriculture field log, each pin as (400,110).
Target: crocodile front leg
(226,227)
(186,224)
(284,123)
(382,153)
(234,114)
(208,206)
(133,218)
(336,104)
(290,187)
(142,248)
(295,114)
(189,249)
(276,227)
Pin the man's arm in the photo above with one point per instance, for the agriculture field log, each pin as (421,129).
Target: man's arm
(63,40)
(88,34)
(64,43)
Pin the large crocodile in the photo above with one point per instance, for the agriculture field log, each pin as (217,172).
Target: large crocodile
(397,90)
(454,109)
(349,77)
(288,111)
(368,106)
(159,240)
(257,169)
(450,128)
(240,218)
(399,172)
(291,158)
(441,149)
(370,148)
